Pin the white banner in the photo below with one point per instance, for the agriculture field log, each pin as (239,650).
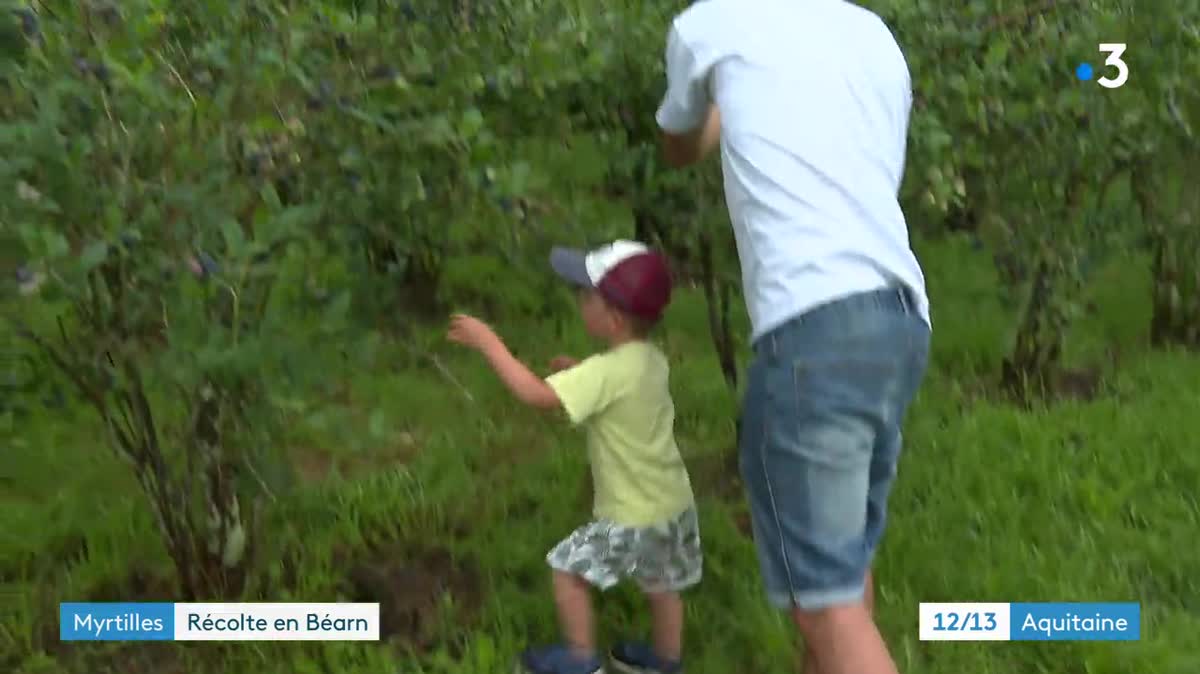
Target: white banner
(277,622)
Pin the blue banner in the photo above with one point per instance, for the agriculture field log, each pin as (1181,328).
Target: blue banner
(1075,622)
(270,621)
(112,621)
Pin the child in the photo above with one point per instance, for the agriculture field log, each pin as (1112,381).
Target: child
(645,526)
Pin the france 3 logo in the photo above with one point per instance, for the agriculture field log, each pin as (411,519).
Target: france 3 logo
(1115,51)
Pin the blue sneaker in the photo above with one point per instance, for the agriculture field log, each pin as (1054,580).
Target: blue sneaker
(639,658)
(559,660)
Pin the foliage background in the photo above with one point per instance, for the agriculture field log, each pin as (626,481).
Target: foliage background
(235,231)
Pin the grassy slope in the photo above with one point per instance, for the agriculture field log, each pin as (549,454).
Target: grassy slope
(1080,502)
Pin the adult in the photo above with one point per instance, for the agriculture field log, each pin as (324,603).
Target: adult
(814,98)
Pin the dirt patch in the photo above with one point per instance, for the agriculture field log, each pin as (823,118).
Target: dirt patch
(140,585)
(743,524)
(1079,384)
(1069,384)
(314,465)
(412,588)
(61,552)
(145,658)
(719,474)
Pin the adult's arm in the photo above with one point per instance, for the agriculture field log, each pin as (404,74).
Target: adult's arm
(688,119)
(685,149)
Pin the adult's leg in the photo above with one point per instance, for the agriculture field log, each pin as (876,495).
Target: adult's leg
(821,394)
(883,464)
(810,659)
(883,471)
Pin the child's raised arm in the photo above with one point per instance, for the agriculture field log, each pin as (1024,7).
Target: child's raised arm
(560,363)
(523,382)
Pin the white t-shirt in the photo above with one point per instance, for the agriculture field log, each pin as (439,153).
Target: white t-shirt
(815,98)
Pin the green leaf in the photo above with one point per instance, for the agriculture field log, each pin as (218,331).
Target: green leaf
(271,197)
(94,254)
(472,122)
(234,237)
(996,54)
(335,313)
(377,425)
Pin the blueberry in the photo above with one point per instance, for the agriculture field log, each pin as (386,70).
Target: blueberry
(257,163)
(24,275)
(29,22)
(506,205)
(409,12)
(383,73)
(208,264)
(86,67)
(110,15)
(129,238)
(56,400)
(492,84)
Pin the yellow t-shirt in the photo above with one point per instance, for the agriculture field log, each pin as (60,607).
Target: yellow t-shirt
(623,398)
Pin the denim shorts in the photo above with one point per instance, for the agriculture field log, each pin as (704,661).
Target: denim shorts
(820,437)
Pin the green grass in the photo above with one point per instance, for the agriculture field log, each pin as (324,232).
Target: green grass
(1076,501)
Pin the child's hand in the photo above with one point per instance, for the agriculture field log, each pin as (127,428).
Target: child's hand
(561,363)
(472,332)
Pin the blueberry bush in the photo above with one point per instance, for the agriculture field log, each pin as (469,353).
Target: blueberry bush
(193,195)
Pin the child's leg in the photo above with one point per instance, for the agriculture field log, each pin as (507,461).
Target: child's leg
(584,560)
(667,611)
(669,561)
(572,595)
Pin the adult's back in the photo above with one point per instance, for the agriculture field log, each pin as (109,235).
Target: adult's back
(814,97)
(809,101)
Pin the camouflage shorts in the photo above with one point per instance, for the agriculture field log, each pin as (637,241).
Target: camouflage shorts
(661,558)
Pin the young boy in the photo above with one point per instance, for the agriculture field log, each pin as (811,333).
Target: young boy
(645,527)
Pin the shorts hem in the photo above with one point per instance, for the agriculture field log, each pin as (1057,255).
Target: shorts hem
(601,585)
(671,588)
(816,600)
(664,557)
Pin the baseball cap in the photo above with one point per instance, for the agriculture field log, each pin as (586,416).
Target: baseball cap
(627,273)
